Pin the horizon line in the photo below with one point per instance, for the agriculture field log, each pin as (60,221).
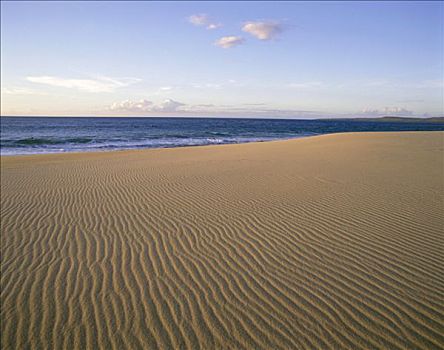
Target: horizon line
(223,117)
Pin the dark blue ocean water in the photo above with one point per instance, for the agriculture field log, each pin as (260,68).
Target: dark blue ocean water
(51,135)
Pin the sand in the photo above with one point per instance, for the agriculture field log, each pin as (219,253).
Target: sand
(328,242)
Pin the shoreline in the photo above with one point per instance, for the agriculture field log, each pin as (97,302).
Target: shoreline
(143,149)
(160,148)
(157,148)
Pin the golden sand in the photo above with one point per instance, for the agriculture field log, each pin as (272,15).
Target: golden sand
(335,241)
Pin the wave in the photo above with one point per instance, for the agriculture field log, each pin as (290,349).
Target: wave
(82,144)
(32,141)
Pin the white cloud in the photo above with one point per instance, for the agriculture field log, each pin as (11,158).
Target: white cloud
(143,105)
(164,90)
(132,106)
(100,84)
(203,20)
(229,41)
(370,111)
(168,105)
(395,111)
(214,26)
(198,20)
(263,30)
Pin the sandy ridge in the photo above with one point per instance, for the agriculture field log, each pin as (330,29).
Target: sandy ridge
(325,242)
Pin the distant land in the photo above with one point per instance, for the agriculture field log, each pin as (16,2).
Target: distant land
(395,119)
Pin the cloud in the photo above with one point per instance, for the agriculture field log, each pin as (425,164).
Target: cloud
(203,20)
(249,110)
(418,100)
(369,111)
(20,91)
(229,41)
(168,105)
(132,106)
(143,105)
(208,105)
(198,20)
(214,26)
(263,30)
(395,111)
(207,86)
(100,84)
(426,84)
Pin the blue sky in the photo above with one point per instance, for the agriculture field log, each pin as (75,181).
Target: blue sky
(274,59)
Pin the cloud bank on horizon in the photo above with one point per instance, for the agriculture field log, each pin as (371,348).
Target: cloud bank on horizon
(239,59)
(169,106)
(144,105)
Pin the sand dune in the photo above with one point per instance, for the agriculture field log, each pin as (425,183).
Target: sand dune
(329,242)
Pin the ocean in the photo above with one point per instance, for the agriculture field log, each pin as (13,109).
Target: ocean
(30,135)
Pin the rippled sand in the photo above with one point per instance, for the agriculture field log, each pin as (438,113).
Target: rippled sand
(334,241)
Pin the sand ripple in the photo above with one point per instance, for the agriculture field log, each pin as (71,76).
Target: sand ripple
(328,242)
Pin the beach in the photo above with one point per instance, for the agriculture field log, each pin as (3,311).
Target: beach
(326,242)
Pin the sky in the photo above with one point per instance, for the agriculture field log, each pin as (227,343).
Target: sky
(247,59)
